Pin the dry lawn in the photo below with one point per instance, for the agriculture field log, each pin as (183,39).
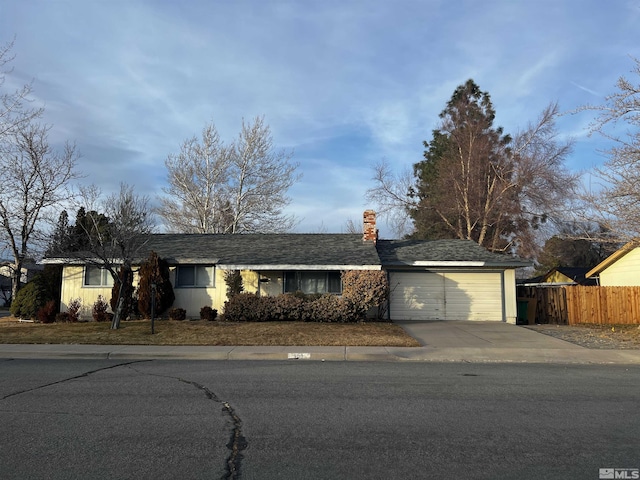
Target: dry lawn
(168,332)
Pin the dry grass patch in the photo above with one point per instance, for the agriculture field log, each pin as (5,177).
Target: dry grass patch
(201,332)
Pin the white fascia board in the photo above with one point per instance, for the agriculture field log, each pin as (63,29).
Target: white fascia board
(79,261)
(196,261)
(54,261)
(461,264)
(298,267)
(447,264)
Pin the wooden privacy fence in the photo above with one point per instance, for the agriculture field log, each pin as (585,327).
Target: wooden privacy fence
(576,304)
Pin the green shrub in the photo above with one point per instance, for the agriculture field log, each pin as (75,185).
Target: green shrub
(34,295)
(177,314)
(208,313)
(29,299)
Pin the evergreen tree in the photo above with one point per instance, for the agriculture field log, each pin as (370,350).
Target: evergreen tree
(560,251)
(90,229)
(154,270)
(461,183)
(478,183)
(61,238)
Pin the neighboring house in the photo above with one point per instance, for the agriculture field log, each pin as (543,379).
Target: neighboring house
(29,270)
(430,280)
(565,276)
(620,269)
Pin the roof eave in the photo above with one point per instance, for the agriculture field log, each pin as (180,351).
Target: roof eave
(448,263)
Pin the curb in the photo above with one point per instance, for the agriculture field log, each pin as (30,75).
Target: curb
(319,354)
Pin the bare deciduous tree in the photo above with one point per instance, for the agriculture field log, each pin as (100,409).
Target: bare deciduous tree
(390,195)
(259,180)
(615,206)
(35,178)
(14,111)
(197,180)
(117,245)
(352,226)
(545,187)
(236,188)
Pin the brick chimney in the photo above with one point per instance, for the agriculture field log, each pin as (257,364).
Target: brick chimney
(370,232)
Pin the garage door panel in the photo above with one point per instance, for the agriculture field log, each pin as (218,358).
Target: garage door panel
(474,296)
(417,296)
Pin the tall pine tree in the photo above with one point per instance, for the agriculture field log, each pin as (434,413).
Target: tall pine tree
(463,186)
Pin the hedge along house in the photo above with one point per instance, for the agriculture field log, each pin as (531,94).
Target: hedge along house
(429,280)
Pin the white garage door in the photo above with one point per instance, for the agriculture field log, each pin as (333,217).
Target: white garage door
(446,296)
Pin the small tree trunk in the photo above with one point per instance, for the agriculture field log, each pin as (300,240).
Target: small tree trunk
(16,274)
(121,308)
(115,322)
(124,296)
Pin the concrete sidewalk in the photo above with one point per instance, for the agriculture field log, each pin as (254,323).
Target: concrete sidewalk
(483,342)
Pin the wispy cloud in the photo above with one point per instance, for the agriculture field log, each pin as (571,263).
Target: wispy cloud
(343,83)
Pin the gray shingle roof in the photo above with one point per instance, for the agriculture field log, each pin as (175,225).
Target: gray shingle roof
(299,250)
(408,252)
(266,249)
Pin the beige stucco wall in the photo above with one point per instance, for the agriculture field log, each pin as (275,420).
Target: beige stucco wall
(625,272)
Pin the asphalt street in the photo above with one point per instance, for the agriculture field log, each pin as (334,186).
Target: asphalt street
(154,419)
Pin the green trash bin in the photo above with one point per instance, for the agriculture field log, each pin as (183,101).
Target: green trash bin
(523,307)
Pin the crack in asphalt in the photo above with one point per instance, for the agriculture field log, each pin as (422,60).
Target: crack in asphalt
(237,442)
(64,380)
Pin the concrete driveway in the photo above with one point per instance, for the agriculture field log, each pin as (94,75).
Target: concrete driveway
(471,334)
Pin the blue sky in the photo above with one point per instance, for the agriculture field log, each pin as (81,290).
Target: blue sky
(343,84)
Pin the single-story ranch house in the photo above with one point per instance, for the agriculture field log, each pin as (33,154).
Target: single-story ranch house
(429,280)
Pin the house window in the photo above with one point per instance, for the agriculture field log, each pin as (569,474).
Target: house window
(312,282)
(195,276)
(97,277)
